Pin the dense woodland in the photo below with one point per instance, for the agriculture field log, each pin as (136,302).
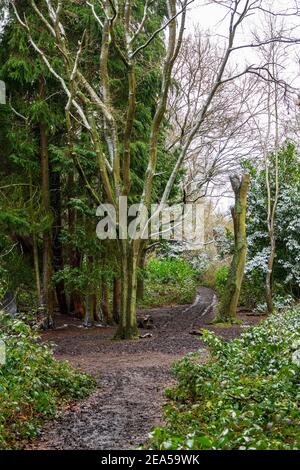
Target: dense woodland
(129,99)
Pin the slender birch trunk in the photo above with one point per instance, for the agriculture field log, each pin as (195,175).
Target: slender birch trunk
(272,201)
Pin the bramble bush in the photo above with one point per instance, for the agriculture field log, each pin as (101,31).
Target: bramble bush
(247,396)
(32,383)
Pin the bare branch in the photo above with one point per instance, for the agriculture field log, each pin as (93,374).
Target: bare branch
(95,14)
(159,30)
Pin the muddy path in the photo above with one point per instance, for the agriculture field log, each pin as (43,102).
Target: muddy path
(131,377)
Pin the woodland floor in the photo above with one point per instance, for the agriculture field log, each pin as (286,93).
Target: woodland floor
(131,376)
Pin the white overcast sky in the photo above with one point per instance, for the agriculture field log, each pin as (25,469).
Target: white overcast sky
(206,15)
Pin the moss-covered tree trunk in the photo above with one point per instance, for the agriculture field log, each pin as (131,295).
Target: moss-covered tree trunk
(229,301)
(89,311)
(127,328)
(141,279)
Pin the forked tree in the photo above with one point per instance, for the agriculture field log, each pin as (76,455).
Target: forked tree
(126,31)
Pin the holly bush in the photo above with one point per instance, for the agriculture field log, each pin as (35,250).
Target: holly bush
(247,396)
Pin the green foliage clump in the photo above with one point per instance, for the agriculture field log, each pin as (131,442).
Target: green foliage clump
(169,281)
(252,292)
(32,383)
(286,271)
(166,270)
(221,279)
(246,396)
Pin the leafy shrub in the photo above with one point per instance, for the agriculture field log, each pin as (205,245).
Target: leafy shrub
(286,269)
(201,262)
(252,290)
(279,302)
(169,281)
(252,294)
(246,396)
(221,279)
(166,270)
(224,241)
(32,383)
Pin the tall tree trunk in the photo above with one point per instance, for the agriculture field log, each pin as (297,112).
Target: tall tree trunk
(129,263)
(35,252)
(269,275)
(77,305)
(141,280)
(272,200)
(57,249)
(47,293)
(96,315)
(90,300)
(37,271)
(89,315)
(116,300)
(229,301)
(76,302)
(107,314)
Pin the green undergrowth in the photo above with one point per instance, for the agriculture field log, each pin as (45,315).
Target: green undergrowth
(169,282)
(32,383)
(247,396)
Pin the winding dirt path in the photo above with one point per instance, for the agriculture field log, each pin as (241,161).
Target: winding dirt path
(131,377)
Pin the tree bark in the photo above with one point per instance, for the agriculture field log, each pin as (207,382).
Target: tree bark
(229,301)
(116,300)
(272,202)
(269,275)
(47,293)
(77,305)
(37,270)
(129,262)
(57,249)
(105,303)
(89,315)
(141,280)
(35,252)
(76,302)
